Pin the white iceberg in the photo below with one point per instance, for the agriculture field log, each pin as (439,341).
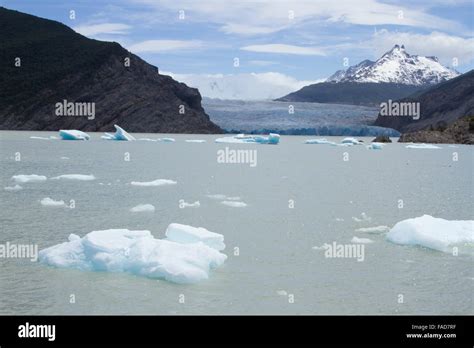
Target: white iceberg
(13,188)
(120,134)
(195,141)
(422,146)
(434,233)
(361,240)
(319,141)
(374,230)
(73,134)
(188,234)
(22,178)
(183,204)
(135,252)
(272,139)
(157,182)
(375,146)
(352,141)
(143,208)
(81,177)
(234,204)
(49,202)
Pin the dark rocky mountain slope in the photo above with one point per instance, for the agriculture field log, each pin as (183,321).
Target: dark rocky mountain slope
(59,64)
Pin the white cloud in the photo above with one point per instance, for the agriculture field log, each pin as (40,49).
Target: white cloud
(267,16)
(103,28)
(286,49)
(158,46)
(443,46)
(251,86)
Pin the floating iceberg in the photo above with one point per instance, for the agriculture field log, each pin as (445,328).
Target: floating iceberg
(422,146)
(13,188)
(22,178)
(49,202)
(73,134)
(157,182)
(120,134)
(188,234)
(434,233)
(143,208)
(375,146)
(361,240)
(183,204)
(272,139)
(319,141)
(352,141)
(136,252)
(234,204)
(82,177)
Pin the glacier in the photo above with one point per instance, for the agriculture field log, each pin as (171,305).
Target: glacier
(433,233)
(138,253)
(120,134)
(188,234)
(72,134)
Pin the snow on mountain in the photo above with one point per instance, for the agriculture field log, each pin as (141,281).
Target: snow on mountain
(397,66)
(244,86)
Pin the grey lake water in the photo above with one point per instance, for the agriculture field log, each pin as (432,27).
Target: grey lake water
(276,269)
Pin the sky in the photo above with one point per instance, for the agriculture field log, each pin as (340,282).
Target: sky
(273,45)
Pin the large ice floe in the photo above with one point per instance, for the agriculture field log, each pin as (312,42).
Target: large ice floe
(434,233)
(186,256)
(272,139)
(120,134)
(22,178)
(72,134)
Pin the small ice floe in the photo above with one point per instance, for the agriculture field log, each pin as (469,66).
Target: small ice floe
(272,139)
(157,182)
(453,146)
(322,247)
(147,139)
(64,158)
(339,219)
(375,146)
(143,208)
(373,230)
(186,234)
(183,204)
(434,233)
(73,134)
(195,141)
(166,140)
(22,178)
(221,197)
(319,141)
(120,134)
(363,218)
(352,141)
(13,188)
(234,204)
(41,138)
(282,293)
(49,202)
(361,240)
(80,177)
(138,252)
(422,146)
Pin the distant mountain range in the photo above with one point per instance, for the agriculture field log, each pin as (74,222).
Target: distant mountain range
(395,75)
(45,63)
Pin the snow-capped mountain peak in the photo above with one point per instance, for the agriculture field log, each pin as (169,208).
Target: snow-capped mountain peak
(397,66)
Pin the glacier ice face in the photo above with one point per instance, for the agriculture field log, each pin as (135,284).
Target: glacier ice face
(81,177)
(188,234)
(135,252)
(143,208)
(157,182)
(72,134)
(120,134)
(49,202)
(22,178)
(434,233)
(271,139)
